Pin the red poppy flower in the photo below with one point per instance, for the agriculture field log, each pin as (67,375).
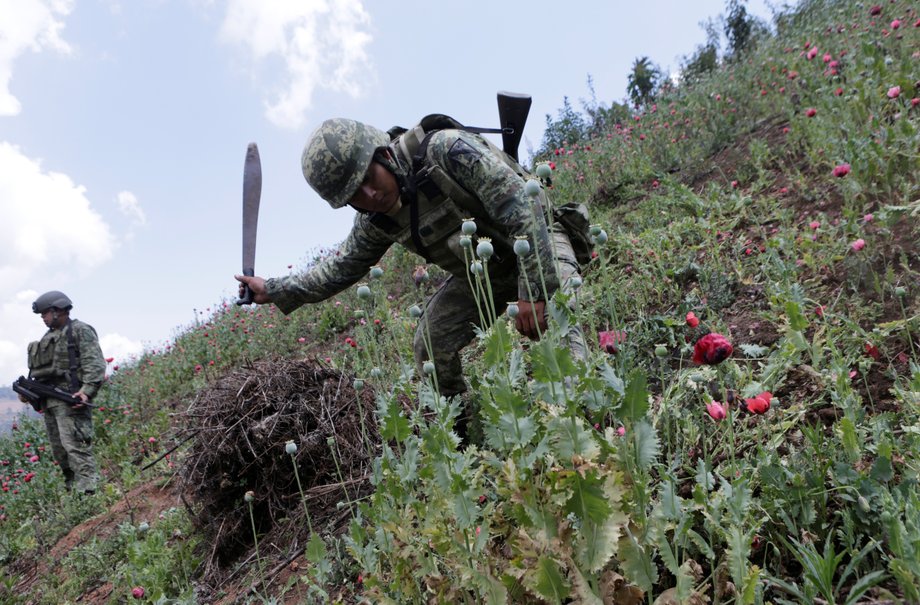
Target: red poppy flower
(841,170)
(759,404)
(872,350)
(811,112)
(692,320)
(609,340)
(875,10)
(712,349)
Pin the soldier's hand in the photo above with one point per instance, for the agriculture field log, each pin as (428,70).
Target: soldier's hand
(257,285)
(531,320)
(82,397)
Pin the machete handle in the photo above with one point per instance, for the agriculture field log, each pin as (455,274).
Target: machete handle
(247,291)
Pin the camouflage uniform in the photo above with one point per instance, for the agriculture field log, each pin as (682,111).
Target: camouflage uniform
(70,430)
(478,183)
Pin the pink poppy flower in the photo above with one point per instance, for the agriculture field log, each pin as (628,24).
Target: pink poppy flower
(858,245)
(716,411)
(811,112)
(896,24)
(894,92)
(609,340)
(712,349)
(138,592)
(841,170)
(814,225)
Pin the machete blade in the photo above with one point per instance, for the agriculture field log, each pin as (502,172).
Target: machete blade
(252,193)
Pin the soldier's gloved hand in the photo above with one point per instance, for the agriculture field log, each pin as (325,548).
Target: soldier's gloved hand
(257,285)
(532,315)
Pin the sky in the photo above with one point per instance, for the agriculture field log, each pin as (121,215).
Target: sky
(124,125)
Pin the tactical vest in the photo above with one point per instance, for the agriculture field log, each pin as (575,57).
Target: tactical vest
(61,369)
(435,205)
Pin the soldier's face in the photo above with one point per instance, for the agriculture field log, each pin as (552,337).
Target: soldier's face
(49,316)
(378,192)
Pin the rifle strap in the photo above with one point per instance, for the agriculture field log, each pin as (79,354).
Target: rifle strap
(73,356)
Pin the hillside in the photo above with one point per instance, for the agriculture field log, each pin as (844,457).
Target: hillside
(746,428)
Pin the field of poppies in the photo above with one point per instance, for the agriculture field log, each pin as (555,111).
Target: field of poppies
(744,428)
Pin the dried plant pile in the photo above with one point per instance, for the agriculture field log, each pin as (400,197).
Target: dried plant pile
(242,423)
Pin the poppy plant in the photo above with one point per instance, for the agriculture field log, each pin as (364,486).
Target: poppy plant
(609,340)
(841,170)
(759,404)
(712,349)
(692,320)
(716,411)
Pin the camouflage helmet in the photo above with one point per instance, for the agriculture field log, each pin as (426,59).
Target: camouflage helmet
(336,157)
(51,300)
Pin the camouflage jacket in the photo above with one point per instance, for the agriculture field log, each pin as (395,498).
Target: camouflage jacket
(503,211)
(50,362)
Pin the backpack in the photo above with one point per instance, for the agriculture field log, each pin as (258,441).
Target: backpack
(413,142)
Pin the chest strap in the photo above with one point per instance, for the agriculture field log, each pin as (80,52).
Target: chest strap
(73,355)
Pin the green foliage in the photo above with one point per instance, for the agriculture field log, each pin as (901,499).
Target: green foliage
(642,81)
(607,474)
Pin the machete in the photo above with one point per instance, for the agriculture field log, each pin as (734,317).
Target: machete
(252,193)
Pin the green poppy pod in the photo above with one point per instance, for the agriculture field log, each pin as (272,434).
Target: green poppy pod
(532,188)
(468,227)
(376,272)
(521,246)
(364,292)
(484,248)
(415,311)
(513,310)
(544,171)
(290,447)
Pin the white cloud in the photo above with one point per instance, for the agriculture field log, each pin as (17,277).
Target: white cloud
(27,25)
(18,326)
(46,222)
(121,348)
(321,43)
(131,208)
(50,233)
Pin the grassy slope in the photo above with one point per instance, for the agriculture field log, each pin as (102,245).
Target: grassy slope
(709,200)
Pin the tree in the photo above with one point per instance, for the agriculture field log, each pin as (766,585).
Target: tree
(568,127)
(738,27)
(706,57)
(643,81)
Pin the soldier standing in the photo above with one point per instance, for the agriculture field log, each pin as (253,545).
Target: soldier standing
(68,356)
(415,189)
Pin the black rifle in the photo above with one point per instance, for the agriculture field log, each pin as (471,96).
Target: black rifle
(37,392)
(512,113)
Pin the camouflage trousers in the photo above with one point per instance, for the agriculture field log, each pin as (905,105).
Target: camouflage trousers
(452,314)
(70,431)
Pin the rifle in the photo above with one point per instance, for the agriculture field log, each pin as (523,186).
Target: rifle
(512,113)
(37,392)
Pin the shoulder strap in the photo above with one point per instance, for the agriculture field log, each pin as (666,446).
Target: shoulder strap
(73,355)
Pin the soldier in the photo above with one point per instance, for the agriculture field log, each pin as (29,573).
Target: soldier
(416,190)
(68,356)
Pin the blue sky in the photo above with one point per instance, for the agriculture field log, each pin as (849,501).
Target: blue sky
(124,124)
